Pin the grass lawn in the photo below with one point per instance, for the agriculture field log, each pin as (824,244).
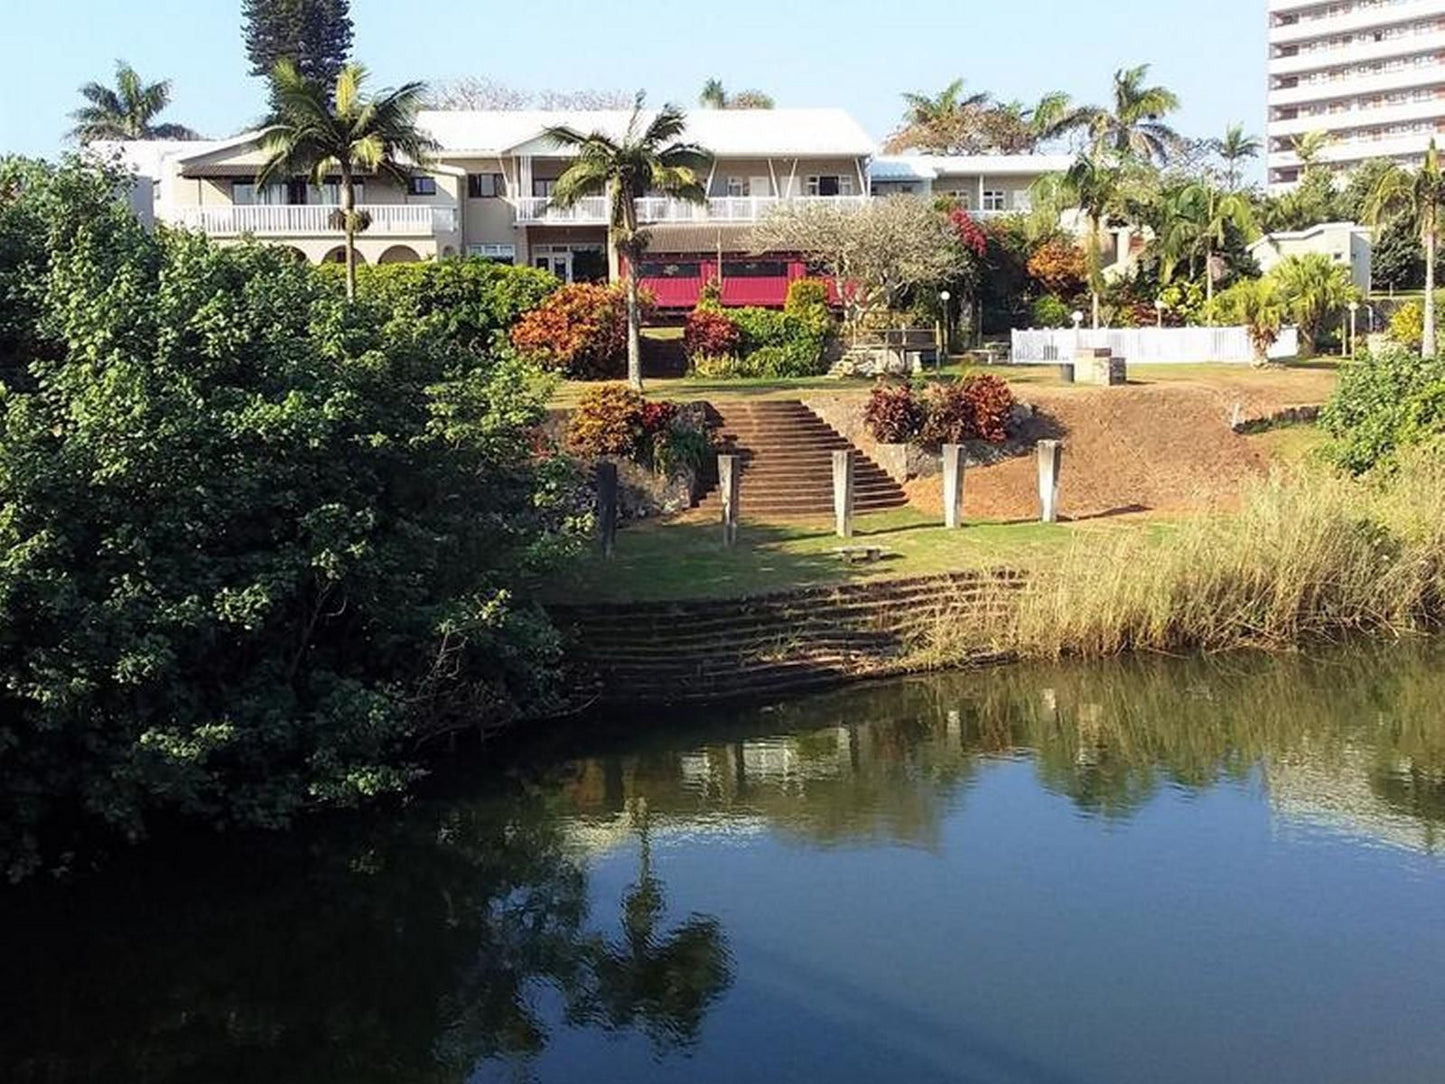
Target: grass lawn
(680,559)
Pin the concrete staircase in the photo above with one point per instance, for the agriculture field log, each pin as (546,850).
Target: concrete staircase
(787,453)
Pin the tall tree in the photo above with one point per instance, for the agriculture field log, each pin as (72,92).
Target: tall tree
(650,156)
(938,123)
(1133,124)
(323,131)
(127,111)
(314,35)
(1312,286)
(1197,218)
(1095,186)
(715,96)
(1235,148)
(1419,196)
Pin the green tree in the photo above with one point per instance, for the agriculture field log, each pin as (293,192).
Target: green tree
(1417,196)
(126,112)
(1198,219)
(256,543)
(1312,287)
(1097,188)
(318,133)
(313,35)
(1258,305)
(1397,262)
(650,156)
(1234,148)
(715,96)
(1133,123)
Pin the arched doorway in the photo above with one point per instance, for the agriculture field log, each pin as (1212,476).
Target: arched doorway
(399,254)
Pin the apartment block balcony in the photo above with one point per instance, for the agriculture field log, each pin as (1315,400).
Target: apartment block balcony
(1350,119)
(1357,53)
(1308,25)
(301,220)
(1352,85)
(592,210)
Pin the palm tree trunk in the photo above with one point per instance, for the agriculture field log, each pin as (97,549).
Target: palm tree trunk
(348,209)
(1209,275)
(634,331)
(1095,296)
(1427,340)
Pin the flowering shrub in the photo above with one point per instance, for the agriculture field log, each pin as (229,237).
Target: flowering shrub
(975,408)
(581,331)
(893,414)
(970,234)
(608,420)
(710,332)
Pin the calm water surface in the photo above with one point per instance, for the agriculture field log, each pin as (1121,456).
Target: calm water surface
(1152,871)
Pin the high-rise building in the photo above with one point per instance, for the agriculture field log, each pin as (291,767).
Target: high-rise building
(1369,74)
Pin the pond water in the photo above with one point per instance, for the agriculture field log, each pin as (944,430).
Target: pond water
(1143,871)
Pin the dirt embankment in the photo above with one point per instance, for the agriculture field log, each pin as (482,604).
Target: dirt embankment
(1161,448)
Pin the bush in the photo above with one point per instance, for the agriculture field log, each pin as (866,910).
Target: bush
(709,331)
(806,296)
(580,330)
(609,420)
(1058,266)
(682,444)
(1049,311)
(975,408)
(893,414)
(1407,324)
(720,367)
(257,544)
(791,344)
(1383,401)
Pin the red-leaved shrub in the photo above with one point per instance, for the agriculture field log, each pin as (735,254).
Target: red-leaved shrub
(992,402)
(709,333)
(608,420)
(579,330)
(970,235)
(975,408)
(893,414)
(657,415)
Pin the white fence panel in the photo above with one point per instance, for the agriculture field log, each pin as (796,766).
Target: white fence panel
(1148,345)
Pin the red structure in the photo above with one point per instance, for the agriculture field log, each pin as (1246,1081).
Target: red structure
(677,281)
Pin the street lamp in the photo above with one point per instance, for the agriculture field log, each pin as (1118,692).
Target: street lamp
(1354,336)
(943,296)
(1159,308)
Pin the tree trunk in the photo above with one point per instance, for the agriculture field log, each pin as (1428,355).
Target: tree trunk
(1427,340)
(634,331)
(348,210)
(1209,275)
(1095,295)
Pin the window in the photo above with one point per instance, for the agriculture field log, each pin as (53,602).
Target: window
(423,186)
(657,269)
(756,269)
(830,184)
(964,197)
(494,253)
(994,199)
(486,185)
(543,186)
(243,193)
(737,186)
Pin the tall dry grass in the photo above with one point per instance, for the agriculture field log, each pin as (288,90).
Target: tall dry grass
(1310,554)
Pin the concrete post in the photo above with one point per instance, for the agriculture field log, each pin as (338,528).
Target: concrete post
(1051,454)
(1066,372)
(843,492)
(1086,363)
(729,478)
(607,505)
(953,485)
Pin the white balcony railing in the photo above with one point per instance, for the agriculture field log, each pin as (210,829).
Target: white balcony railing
(315,218)
(592,210)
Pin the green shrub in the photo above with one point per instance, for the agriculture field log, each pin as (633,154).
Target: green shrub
(257,545)
(806,296)
(719,367)
(790,344)
(1407,324)
(608,420)
(1049,311)
(1383,401)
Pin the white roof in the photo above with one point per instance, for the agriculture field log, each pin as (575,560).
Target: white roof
(932,166)
(1272,239)
(730,133)
(145,156)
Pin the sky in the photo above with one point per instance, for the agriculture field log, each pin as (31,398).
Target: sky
(858,54)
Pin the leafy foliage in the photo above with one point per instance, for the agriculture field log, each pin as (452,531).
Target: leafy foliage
(1312,287)
(313,35)
(1058,265)
(893,414)
(1385,400)
(579,330)
(709,331)
(1049,311)
(256,543)
(805,297)
(127,112)
(608,420)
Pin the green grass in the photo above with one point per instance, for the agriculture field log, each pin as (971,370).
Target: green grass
(662,559)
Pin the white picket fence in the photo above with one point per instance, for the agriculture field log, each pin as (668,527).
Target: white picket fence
(1148,345)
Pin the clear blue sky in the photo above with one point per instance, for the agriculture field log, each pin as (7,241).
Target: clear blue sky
(859,54)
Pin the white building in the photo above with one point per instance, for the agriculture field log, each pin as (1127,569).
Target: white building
(1369,73)
(1345,243)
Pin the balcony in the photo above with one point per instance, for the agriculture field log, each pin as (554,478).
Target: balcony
(1362,18)
(299,220)
(592,210)
(1358,52)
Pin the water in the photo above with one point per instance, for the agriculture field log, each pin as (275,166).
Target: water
(1147,871)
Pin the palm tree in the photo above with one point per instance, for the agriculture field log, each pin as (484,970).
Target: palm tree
(1095,187)
(1312,286)
(1056,115)
(127,111)
(650,157)
(937,123)
(1420,197)
(1307,147)
(715,96)
(1257,304)
(1197,220)
(1234,148)
(323,132)
(1134,125)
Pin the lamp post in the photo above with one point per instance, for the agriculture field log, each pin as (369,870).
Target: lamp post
(943,336)
(1159,308)
(1078,318)
(1354,330)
